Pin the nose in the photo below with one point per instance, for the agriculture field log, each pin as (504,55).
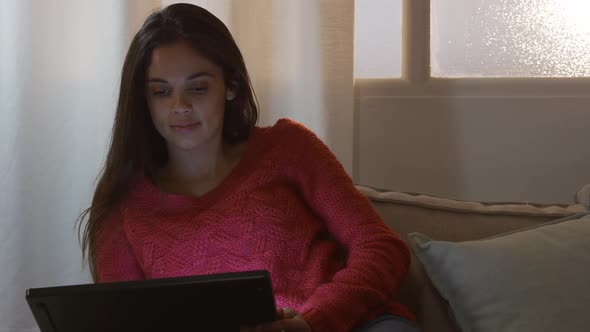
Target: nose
(182,105)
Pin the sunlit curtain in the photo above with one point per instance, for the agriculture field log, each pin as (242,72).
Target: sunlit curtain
(59,76)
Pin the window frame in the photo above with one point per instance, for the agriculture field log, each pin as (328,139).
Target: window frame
(416,79)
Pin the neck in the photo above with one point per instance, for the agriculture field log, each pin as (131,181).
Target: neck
(205,163)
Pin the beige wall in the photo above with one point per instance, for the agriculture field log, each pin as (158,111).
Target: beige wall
(476,148)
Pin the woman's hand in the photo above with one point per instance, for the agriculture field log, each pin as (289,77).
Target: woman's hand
(288,320)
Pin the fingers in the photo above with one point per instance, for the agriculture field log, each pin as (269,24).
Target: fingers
(289,320)
(288,313)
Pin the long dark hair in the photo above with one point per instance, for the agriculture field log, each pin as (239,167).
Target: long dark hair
(136,147)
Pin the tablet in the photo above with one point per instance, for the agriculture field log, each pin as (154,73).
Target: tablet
(217,302)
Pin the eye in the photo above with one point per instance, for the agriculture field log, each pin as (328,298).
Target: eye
(161,92)
(197,90)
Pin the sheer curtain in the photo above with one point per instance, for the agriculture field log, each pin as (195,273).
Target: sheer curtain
(300,56)
(59,75)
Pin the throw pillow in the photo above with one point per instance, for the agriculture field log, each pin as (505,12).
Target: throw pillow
(529,280)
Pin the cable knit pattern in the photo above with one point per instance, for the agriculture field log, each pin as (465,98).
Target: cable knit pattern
(288,207)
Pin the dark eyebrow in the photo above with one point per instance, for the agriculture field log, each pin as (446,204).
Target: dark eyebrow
(189,77)
(198,75)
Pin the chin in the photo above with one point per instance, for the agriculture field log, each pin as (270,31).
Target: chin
(189,142)
(187,146)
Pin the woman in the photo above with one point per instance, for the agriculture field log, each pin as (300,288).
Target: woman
(191,186)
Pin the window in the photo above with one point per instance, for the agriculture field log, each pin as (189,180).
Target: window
(488,90)
(472,39)
(378,39)
(510,38)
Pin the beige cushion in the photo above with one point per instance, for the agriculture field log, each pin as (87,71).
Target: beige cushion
(455,220)
(528,280)
(444,203)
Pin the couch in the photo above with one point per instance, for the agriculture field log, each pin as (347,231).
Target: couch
(455,221)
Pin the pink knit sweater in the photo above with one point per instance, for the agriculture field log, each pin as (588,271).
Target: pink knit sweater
(288,207)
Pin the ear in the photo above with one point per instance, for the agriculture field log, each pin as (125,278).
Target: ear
(231,92)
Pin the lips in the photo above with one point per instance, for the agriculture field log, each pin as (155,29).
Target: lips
(183,127)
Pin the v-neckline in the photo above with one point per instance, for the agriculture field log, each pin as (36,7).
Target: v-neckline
(212,195)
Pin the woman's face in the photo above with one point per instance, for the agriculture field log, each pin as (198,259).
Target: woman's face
(186,95)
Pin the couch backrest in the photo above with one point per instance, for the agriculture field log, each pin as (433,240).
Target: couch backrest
(454,220)
(451,220)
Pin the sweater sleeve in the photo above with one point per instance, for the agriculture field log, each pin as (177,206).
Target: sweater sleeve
(115,260)
(378,260)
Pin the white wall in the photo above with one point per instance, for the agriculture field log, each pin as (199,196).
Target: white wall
(476,148)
